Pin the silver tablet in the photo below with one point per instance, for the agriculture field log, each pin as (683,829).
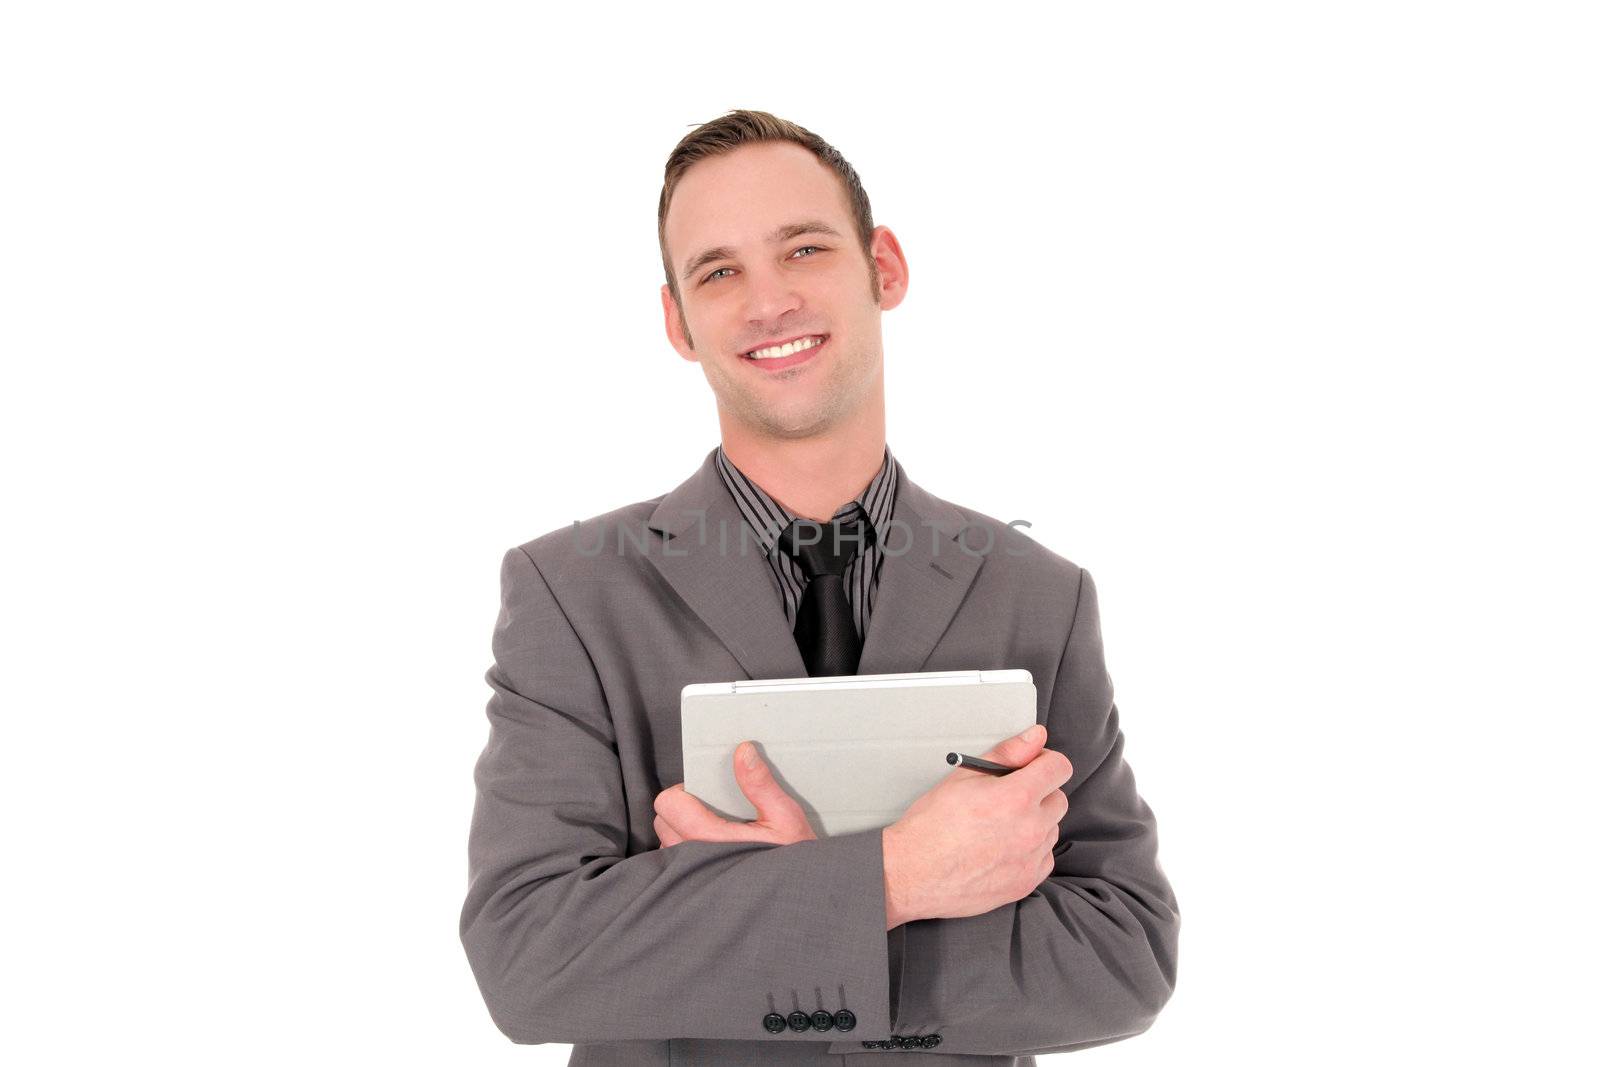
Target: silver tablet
(854,750)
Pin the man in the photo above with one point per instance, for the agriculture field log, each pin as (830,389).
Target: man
(610,909)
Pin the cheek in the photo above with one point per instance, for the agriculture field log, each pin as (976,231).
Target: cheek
(847,297)
(706,323)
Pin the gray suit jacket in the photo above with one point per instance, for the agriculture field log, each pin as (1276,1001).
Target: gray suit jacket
(580,928)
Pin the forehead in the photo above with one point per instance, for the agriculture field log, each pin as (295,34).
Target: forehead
(738,198)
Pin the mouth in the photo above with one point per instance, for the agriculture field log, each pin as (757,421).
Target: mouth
(785,354)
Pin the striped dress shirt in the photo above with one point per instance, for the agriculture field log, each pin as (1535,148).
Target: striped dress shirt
(767,519)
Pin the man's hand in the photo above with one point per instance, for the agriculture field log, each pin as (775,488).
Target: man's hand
(779,818)
(977,841)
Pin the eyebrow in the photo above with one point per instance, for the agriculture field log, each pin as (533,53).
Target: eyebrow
(782,233)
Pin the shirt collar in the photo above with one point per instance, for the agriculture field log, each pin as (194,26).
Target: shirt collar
(768,518)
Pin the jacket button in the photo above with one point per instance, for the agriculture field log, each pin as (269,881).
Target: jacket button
(870,1044)
(844,1020)
(931,1041)
(897,1041)
(821,1020)
(799,1021)
(773,1023)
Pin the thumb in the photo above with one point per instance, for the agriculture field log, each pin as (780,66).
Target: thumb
(1019,750)
(772,804)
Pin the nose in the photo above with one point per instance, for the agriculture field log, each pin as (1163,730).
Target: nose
(769,295)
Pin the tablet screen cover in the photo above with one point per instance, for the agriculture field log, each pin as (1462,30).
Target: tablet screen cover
(855,752)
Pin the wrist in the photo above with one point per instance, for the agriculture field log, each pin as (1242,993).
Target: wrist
(896,905)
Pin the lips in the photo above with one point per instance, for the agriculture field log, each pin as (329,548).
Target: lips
(793,359)
(746,354)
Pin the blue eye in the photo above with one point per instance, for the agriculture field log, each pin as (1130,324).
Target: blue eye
(803,248)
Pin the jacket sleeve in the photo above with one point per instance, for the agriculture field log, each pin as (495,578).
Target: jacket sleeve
(573,940)
(1088,957)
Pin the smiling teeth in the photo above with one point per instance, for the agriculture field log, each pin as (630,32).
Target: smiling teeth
(779,351)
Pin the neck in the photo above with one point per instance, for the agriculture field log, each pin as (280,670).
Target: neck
(811,476)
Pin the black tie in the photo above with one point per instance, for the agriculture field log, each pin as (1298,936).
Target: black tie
(823,628)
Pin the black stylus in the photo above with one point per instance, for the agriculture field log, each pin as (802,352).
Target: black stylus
(957,759)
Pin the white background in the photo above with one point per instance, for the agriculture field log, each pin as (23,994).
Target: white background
(1277,317)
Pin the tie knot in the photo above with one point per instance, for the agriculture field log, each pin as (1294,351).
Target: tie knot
(827,548)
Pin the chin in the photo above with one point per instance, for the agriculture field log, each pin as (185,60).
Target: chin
(796,424)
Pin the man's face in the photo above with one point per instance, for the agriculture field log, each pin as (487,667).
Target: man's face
(763,245)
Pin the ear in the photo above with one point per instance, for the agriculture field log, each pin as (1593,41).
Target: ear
(674,322)
(893,272)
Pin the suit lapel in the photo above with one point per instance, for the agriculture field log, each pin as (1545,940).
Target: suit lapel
(718,569)
(925,576)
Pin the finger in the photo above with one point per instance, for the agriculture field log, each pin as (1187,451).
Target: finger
(696,822)
(667,800)
(1048,770)
(1055,805)
(774,806)
(1017,751)
(685,811)
(666,834)
(1047,867)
